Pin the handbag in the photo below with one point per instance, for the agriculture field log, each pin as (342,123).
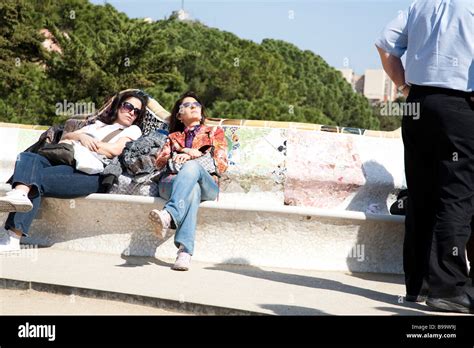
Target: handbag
(86,160)
(58,154)
(206,161)
(91,162)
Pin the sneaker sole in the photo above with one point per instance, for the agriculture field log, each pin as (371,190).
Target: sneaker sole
(448,306)
(417,299)
(180,269)
(8,207)
(154,217)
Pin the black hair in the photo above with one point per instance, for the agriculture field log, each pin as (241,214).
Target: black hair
(111,116)
(175,124)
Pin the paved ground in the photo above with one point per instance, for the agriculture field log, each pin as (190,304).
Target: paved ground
(28,302)
(206,289)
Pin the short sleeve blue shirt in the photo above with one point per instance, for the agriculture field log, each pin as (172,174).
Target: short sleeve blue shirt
(438,39)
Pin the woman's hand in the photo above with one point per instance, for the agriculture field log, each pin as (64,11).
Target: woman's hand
(181,158)
(89,142)
(70,142)
(194,153)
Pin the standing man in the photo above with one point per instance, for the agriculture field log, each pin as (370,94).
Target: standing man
(438,38)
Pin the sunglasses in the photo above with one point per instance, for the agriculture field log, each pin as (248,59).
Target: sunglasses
(129,108)
(189,104)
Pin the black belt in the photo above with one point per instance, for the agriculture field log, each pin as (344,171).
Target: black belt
(440,90)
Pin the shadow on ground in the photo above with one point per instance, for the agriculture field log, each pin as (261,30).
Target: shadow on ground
(404,308)
(292,310)
(380,277)
(138,261)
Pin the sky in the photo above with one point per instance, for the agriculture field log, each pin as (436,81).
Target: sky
(343,32)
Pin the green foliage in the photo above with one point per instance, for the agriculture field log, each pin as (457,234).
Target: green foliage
(104,51)
(389,122)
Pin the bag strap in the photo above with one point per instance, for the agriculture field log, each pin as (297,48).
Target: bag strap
(112,135)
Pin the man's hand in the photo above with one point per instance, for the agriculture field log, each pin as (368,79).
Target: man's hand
(89,142)
(406,91)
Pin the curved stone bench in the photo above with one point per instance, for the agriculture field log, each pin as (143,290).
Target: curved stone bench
(339,187)
(285,236)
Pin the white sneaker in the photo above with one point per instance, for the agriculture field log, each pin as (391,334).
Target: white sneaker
(183,260)
(9,242)
(161,219)
(15,201)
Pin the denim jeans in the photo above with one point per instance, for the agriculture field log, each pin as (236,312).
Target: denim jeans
(49,181)
(184,191)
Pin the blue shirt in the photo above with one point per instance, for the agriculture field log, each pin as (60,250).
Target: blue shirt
(438,38)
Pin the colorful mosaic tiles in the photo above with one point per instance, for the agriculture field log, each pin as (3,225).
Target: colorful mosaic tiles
(320,168)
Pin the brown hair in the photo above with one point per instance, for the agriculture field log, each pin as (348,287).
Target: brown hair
(110,116)
(175,124)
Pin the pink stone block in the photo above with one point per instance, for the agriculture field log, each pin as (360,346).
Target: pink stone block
(323,169)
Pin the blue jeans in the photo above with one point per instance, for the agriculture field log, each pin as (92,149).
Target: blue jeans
(50,181)
(184,191)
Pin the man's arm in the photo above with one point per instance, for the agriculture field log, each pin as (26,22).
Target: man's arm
(394,68)
(392,45)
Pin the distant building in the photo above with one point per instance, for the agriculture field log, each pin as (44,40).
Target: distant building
(358,83)
(391,92)
(348,74)
(148,20)
(181,15)
(375,84)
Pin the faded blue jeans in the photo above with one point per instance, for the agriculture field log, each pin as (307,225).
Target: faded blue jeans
(50,181)
(184,191)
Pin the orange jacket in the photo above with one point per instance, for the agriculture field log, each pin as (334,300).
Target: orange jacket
(206,136)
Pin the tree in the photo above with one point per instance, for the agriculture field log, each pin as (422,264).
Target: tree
(103,51)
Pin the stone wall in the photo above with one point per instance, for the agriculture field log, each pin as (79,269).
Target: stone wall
(356,170)
(294,196)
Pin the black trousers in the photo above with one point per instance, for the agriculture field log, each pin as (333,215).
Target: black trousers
(470,252)
(439,169)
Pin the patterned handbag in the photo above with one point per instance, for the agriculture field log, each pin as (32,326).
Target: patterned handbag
(151,123)
(206,161)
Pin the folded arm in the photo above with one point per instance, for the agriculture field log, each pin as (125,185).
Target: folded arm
(114,149)
(107,149)
(91,143)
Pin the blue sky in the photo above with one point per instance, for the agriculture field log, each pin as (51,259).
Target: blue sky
(341,31)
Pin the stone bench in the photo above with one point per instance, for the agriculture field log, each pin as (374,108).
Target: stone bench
(292,197)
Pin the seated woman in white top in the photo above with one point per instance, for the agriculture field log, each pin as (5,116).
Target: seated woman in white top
(35,177)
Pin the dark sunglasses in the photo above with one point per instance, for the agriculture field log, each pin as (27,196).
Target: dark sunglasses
(189,104)
(129,107)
